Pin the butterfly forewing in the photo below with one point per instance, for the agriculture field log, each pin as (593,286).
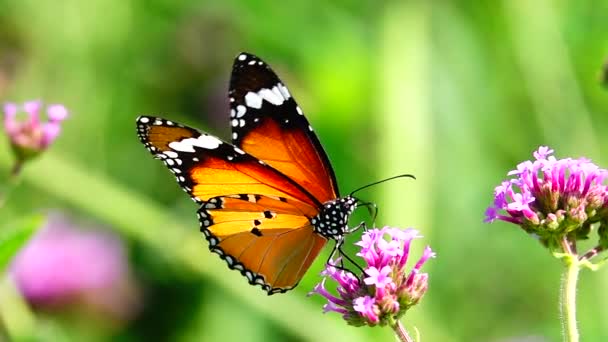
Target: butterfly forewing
(267,123)
(206,167)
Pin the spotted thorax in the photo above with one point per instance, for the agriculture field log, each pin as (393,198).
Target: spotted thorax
(332,220)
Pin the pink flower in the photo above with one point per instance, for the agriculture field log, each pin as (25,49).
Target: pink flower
(366,306)
(378,278)
(30,136)
(61,265)
(550,197)
(386,290)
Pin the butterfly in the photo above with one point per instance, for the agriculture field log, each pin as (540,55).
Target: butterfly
(269,201)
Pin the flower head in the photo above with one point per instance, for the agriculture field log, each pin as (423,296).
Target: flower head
(62,265)
(551,198)
(30,136)
(386,290)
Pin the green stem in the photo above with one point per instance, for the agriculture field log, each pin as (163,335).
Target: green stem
(400,332)
(568,294)
(13,181)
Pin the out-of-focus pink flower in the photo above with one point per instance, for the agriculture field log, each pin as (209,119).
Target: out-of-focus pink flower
(30,136)
(386,290)
(63,266)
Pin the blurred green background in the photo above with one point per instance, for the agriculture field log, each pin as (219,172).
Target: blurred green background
(454,92)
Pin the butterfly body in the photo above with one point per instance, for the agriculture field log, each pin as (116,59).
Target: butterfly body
(332,220)
(269,200)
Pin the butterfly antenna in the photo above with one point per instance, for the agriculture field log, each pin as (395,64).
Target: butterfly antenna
(382,181)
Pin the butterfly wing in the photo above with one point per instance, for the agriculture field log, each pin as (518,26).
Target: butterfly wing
(253,216)
(206,167)
(268,240)
(267,123)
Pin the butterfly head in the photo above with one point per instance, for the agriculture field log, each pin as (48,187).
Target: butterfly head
(332,220)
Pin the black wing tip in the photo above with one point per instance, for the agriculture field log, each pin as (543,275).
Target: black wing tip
(244,59)
(147,120)
(152,120)
(244,56)
(142,123)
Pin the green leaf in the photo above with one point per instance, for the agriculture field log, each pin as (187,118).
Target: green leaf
(14,236)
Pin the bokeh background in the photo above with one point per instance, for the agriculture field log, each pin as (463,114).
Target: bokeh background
(454,92)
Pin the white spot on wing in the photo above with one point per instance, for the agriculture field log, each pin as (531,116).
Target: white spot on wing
(242,57)
(144,120)
(284,91)
(277,95)
(253,100)
(272,96)
(187,145)
(240,110)
(171,154)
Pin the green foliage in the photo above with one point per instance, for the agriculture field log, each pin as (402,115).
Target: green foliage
(14,236)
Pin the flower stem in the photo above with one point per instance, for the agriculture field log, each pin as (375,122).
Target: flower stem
(401,333)
(568,295)
(12,182)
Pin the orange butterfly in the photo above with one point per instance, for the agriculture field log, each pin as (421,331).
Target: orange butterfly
(269,201)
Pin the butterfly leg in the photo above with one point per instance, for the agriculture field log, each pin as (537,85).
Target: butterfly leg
(357,227)
(333,252)
(338,248)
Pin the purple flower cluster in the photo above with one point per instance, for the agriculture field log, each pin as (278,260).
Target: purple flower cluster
(30,136)
(386,290)
(551,197)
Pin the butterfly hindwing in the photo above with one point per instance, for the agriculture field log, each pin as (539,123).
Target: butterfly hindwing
(267,123)
(268,240)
